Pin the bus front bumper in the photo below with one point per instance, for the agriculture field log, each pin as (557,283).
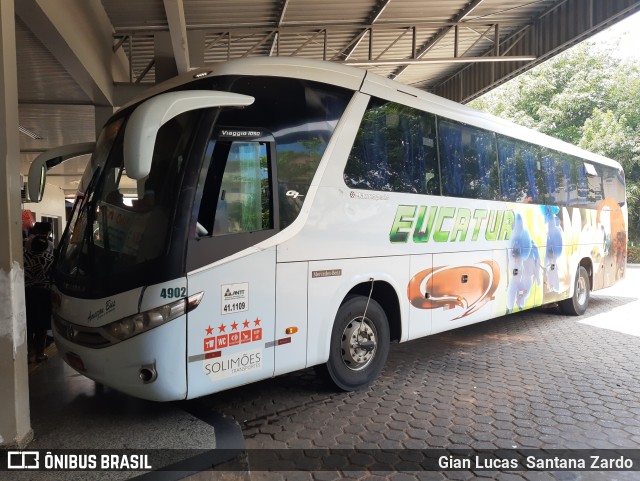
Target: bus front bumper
(151,365)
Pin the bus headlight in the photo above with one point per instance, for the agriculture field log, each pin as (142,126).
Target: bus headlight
(122,329)
(144,321)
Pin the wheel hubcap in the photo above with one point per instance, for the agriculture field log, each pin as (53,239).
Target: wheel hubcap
(359,343)
(581,290)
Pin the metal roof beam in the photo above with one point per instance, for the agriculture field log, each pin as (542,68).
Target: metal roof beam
(402,34)
(546,36)
(276,39)
(290,28)
(429,44)
(79,35)
(374,15)
(419,61)
(174,10)
(307,42)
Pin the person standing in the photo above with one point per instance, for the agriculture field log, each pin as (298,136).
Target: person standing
(38,260)
(42,229)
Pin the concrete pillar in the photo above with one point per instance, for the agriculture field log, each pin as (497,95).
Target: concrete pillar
(15,428)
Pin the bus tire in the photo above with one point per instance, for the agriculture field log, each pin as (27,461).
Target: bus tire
(352,365)
(577,304)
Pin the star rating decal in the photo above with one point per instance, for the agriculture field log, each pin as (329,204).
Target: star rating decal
(243,332)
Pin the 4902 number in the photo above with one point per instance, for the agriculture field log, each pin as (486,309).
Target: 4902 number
(173,293)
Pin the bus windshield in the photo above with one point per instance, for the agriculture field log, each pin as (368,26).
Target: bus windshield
(118,223)
(127,233)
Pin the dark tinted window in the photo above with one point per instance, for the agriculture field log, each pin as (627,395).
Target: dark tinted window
(394,151)
(468,161)
(613,183)
(593,176)
(302,116)
(237,194)
(557,177)
(121,231)
(520,173)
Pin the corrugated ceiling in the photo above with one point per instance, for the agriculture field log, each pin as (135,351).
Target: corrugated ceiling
(427,32)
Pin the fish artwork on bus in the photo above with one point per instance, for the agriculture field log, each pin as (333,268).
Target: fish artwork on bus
(480,283)
(542,247)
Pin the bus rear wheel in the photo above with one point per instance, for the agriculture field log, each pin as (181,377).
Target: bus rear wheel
(577,305)
(359,344)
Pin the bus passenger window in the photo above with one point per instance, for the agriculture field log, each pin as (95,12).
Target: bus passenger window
(469,161)
(301,115)
(613,184)
(556,178)
(520,177)
(237,190)
(594,184)
(395,150)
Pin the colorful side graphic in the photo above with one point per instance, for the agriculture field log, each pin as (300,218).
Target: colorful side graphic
(544,246)
(468,287)
(524,266)
(612,220)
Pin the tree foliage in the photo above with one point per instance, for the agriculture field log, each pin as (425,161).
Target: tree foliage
(586,96)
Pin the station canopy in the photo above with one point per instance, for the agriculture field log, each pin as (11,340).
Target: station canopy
(79,59)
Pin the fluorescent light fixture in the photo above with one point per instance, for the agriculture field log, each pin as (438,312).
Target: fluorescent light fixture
(29,133)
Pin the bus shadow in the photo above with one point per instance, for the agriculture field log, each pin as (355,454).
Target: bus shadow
(260,404)
(269,405)
(519,327)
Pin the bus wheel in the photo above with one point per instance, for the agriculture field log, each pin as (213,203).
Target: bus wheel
(359,346)
(577,305)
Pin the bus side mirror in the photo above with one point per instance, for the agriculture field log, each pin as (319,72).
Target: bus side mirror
(145,121)
(46,160)
(36,182)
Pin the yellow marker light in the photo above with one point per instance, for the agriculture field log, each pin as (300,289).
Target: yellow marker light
(291,330)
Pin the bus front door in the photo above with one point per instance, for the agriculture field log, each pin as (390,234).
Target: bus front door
(231,333)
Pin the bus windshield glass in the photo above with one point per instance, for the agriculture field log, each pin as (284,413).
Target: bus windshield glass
(119,223)
(127,233)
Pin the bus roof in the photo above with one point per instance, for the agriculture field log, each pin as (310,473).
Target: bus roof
(292,67)
(354,78)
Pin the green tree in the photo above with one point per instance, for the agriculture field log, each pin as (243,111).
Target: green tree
(586,96)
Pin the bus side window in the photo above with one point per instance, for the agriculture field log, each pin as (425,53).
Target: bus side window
(594,184)
(237,194)
(519,173)
(394,151)
(301,115)
(613,184)
(580,194)
(555,177)
(468,160)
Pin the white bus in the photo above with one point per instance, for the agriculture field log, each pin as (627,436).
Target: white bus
(265,215)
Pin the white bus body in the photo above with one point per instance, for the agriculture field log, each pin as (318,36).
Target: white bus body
(268,244)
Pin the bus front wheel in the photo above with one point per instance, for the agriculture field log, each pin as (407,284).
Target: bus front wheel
(359,344)
(577,305)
